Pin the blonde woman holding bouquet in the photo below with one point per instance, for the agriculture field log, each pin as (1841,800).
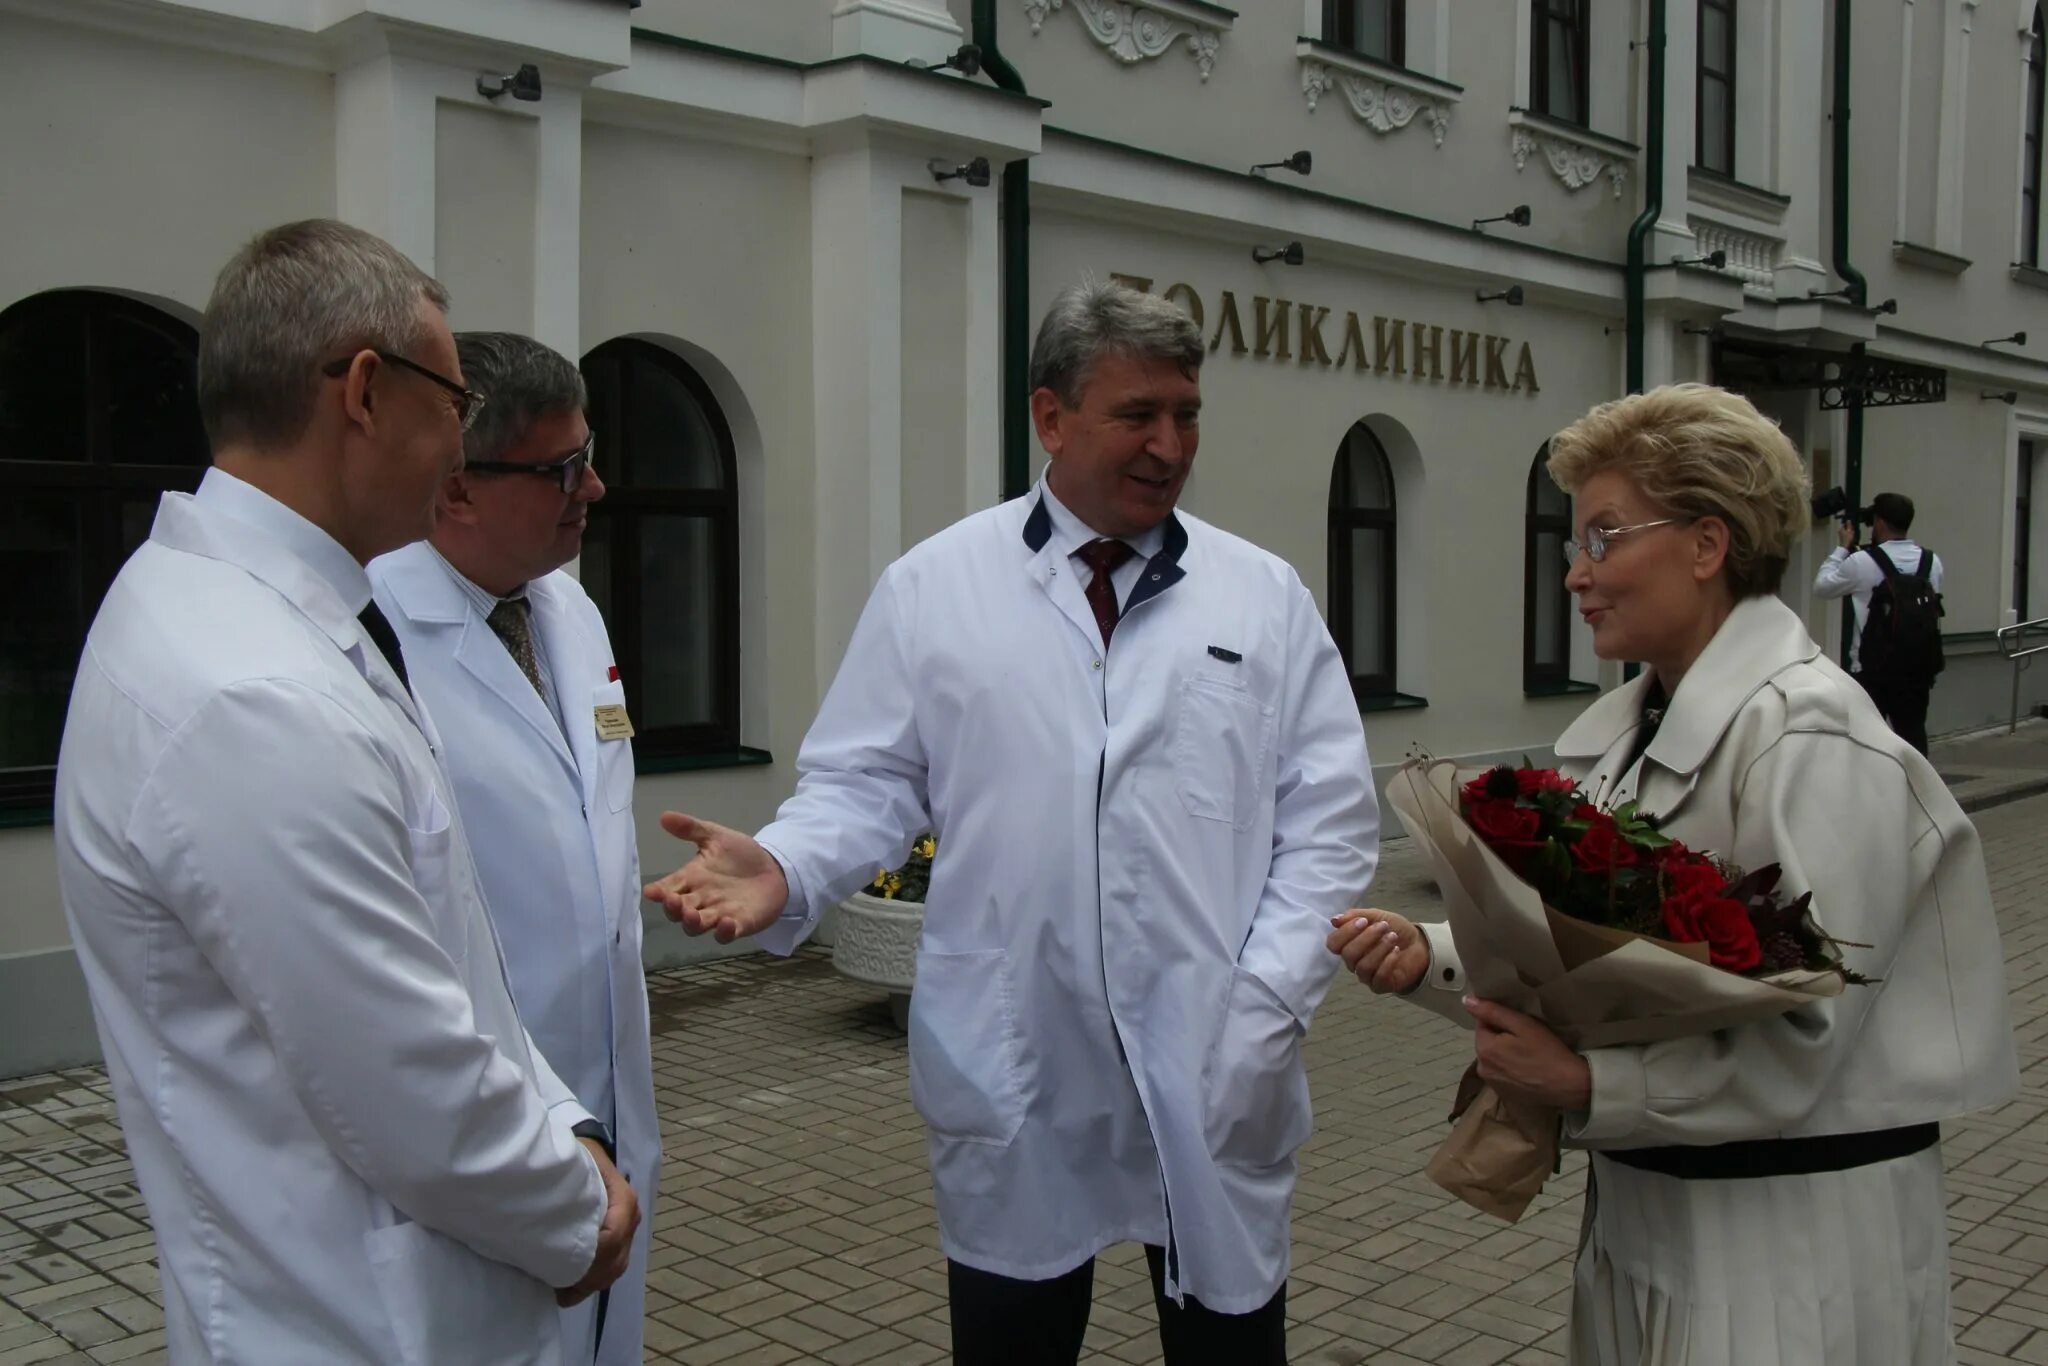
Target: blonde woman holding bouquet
(1771,1194)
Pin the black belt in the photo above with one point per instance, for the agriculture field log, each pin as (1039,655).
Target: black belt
(1780,1156)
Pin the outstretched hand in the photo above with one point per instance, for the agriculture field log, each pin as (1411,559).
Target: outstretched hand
(1384,951)
(731,889)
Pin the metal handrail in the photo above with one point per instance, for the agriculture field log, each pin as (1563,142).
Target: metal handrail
(2010,644)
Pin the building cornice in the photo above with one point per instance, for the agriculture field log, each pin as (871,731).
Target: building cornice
(1135,31)
(1385,98)
(1576,156)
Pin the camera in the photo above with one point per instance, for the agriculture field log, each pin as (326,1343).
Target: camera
(1834,502)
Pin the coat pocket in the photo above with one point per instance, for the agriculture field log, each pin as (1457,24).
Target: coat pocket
(1255,1091)
(430,837)
(1221,738)
(965,1076)
(614,757)
(447,1303)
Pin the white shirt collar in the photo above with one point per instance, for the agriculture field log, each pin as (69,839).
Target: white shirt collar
(251,506)
(482,599)
(1070,533)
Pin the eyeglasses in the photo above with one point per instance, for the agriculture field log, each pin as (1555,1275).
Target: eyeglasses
(570,468)
(1598,539)
(468,402)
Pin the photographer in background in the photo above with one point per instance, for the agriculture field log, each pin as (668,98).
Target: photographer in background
(1895,652)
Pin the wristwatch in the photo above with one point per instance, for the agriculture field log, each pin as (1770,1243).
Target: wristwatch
(598,1134)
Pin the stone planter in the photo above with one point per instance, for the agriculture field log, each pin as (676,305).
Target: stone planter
(877,944)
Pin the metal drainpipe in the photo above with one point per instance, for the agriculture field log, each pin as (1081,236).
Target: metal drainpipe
(1859,288)
(1653,198)
(1016,271)
(1646,221)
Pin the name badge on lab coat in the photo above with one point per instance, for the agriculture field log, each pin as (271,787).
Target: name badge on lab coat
(613,723)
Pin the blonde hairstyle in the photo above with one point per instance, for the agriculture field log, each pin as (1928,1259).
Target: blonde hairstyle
(1698,451)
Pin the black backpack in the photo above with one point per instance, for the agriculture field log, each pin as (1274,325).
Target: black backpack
(1902,634)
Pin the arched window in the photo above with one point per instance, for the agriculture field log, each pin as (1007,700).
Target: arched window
(1362,562)
(661,556)
(1546,604)
(99,415)
(2031,146)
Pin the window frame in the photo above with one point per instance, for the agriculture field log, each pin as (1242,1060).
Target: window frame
(622,513)
(1339,31)
(1727,10)
(1345,516)
(1540,94)
(99,486)
(2032,150)
(1538,677)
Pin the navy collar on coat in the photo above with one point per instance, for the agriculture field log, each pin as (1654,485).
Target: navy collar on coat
(1162,571)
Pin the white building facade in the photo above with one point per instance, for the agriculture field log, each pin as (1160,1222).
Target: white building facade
(801,306)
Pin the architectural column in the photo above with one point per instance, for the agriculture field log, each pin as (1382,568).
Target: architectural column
(896,30)
(558,223)
(857,383)
(1803,169)
(1951,171)
(384,152)
(1673,235)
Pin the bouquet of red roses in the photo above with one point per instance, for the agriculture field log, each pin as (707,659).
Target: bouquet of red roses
(1603,927)
(1616,869)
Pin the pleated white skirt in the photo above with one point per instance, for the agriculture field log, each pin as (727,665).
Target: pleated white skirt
(1835,1269)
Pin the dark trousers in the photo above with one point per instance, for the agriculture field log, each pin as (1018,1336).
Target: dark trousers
(1903,706)
(1002,1322)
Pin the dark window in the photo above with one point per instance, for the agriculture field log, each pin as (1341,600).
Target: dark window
(2030,171)
(1557,59)
(1374,28)
(99,415)
(2023,531)
(1714,148)
(661,556)
(1362,562)
(1546,604)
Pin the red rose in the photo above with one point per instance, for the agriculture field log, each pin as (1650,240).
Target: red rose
(1692,879)
(1602,849)
(1494,784)
(1722,925)
(1586,811)
(1532,781)
(1502,822)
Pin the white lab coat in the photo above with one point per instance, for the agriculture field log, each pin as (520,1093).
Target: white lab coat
(1139,852)
(350,1150)
(551,820)
(1852,574)
(1768,753)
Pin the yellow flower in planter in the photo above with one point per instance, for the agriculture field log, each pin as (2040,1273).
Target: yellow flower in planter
(910,882)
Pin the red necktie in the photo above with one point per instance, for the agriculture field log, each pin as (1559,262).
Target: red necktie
(1103,557)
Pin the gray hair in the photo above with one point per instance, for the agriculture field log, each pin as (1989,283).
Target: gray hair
(521,380)
(1089,321)
(294,299)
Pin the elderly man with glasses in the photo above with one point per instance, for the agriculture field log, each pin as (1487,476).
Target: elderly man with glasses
(512,658)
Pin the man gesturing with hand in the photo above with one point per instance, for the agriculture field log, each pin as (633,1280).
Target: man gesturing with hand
(1140,754)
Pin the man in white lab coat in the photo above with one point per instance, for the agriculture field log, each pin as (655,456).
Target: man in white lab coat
(1141,755)
(350,1149)
(511,657)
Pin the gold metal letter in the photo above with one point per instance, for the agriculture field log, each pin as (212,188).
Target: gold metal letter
(1267,330)
(1354,343)
(1433,349)
(1496,362)
(1141,283)
(1464,357)
(1389,341)
(1309,324)
(1525,371)
(1186,297)
(1228,318)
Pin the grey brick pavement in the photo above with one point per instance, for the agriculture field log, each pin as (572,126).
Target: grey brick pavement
(797,1219)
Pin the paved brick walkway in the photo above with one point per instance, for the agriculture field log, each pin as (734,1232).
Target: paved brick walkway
(797,1223)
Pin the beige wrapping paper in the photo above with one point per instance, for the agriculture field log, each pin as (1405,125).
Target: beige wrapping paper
(1594,986)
